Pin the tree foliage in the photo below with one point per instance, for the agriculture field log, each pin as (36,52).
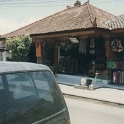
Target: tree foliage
(19,47)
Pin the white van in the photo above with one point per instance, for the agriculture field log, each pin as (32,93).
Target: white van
(29,94)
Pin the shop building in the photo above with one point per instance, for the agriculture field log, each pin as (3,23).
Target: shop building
(81,44)
(116,61)
(75,41)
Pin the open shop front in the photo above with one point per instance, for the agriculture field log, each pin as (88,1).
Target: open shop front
(82,56)
(116,63)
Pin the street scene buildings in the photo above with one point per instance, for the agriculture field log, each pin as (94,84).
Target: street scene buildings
(82,40)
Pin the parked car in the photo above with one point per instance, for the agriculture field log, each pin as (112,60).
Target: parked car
(29,94)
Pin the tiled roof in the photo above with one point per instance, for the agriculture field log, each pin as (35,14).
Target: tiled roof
(117,22)
(77,17)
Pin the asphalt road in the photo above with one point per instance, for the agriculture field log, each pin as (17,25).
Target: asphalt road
(86,112)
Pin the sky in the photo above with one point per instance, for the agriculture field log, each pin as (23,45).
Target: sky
(15,14)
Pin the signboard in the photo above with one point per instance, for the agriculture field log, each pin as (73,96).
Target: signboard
(38,49)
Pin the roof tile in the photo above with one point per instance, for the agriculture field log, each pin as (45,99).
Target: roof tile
(78,17)
(117,22)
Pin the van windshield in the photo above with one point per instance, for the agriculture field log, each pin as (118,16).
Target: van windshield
(28,97)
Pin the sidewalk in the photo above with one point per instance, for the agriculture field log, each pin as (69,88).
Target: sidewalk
(72,80)
(103,92)
(108,95)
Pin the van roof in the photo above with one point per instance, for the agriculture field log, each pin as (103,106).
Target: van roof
(7,66)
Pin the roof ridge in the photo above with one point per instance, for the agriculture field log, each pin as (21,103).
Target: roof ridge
(92,18)
(90,13)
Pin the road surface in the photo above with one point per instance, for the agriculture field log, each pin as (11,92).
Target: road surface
(85,112)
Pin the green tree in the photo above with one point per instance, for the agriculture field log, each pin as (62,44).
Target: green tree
(19,47)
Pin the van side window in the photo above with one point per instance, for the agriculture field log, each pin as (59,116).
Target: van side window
(43,86)
(47,90)
(20,85)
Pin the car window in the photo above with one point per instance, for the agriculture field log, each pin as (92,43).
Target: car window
(42,86)
(47,90)
(20,85)
(29,97)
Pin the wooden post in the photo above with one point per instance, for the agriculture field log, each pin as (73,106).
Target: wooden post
(110,54)
(56,59)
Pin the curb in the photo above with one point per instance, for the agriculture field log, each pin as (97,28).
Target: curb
(96,100)
(67,84)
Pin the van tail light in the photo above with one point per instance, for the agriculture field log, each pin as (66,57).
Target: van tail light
(69,122)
